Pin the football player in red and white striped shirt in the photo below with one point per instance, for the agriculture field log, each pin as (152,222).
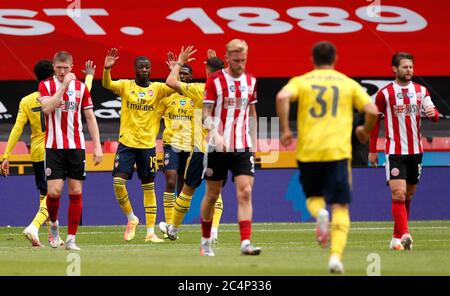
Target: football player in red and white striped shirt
(63,98)
(401,102)
(229,114)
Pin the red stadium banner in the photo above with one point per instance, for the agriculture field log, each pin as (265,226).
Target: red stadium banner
(280,33)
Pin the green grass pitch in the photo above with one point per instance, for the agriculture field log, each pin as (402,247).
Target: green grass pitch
(288,249)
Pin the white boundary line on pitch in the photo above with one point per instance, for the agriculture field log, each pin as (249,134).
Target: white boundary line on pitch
(258,230)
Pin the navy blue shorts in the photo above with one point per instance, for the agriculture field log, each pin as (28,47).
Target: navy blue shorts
(39,177)
(330,179)
(127,157)
(194,170)
(175,159)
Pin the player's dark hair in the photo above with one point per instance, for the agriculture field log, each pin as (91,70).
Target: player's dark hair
(62,56)
(215,64)
(324,53)
(187,66)
(398,56)
(43,70)
(142,58)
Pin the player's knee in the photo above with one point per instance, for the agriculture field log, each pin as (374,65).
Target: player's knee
(245,193)
(170,184)
(399,195)
(55,193)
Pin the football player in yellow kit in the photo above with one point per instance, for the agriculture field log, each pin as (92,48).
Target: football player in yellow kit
(194,165)
(139,126)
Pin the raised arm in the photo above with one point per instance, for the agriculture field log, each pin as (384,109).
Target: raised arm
(89,72)
(173,80)
(111,57)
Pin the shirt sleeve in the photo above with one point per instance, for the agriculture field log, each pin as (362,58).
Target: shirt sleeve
(192,90)
(88,81)
(43,91)
(108,83)
(210,96)
(360,97)
(253,97)
(86,102)
(427,102)
(162,90)
(16,131)
(293,86)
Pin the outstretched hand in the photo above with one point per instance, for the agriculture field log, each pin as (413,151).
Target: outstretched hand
(185,54)
(111,57)
(89,68)
(171,60)
(211,53)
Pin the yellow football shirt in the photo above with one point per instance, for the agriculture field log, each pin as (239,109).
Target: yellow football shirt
(178,111)
(139,123)
(326,99)
(195,91)
(30,110)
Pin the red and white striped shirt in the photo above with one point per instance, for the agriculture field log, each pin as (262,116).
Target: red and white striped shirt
(402,107)
(64,128)
(231,98)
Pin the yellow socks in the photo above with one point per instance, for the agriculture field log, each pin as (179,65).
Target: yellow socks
(218,209)
(182,204)
(314,204)
(121,193)
(42,214)
(169,200)
(340,225)
(149,204)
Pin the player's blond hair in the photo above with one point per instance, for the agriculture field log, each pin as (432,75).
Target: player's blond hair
(236,45)
(62,56)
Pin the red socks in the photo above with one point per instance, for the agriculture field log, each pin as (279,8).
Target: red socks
(407,205)
(53,207)
(75,207)
(400,216)
(245,228)
(206,228)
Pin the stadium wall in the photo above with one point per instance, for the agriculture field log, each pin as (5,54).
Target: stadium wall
(277,197)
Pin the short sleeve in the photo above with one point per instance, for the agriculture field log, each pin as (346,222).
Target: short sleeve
(427,102)
(210,96)
(293,86)
(360,97)
(192,90)
(43,91)
(86,102)
(161,90)
(253,97)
